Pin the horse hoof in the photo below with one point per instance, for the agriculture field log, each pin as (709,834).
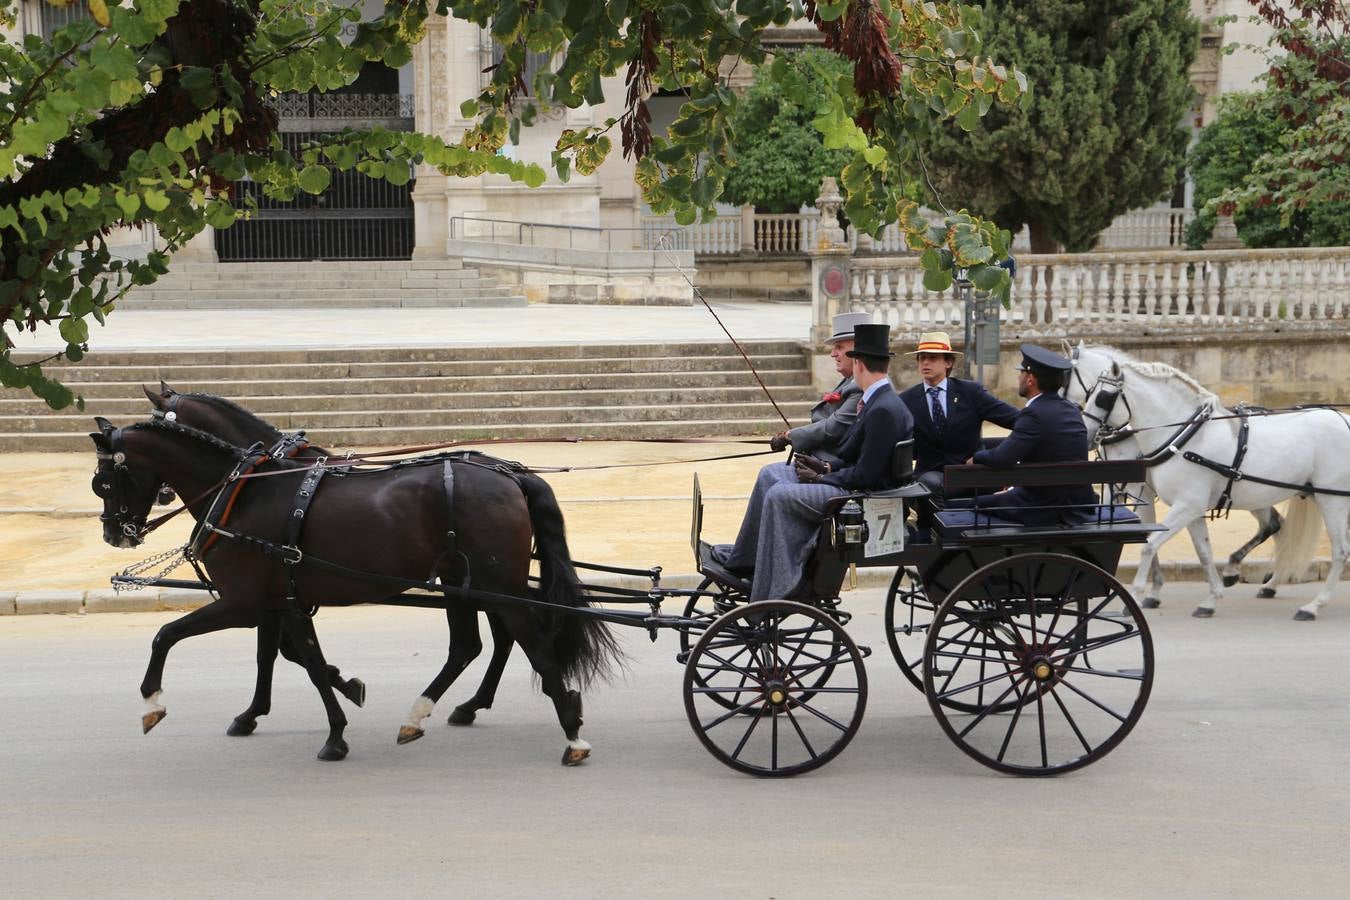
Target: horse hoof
(1304,616)
(461,715)
(573,756)
(355,691)
(1203,612)
(151,719)
(1150,603)
(1230,580)
(333,751)
(1265,593)
(242,727)
(407,734)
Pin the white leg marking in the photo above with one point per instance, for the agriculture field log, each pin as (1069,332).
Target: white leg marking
(578,744)
(152,704)
(421,708)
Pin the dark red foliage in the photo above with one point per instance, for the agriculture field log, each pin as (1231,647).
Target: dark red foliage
(635,124)
(861,36)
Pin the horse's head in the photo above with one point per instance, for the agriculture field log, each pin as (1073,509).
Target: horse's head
(127,487)
(214,415)
(1097,386)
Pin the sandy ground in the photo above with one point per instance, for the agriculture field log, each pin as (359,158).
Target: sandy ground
(50,538)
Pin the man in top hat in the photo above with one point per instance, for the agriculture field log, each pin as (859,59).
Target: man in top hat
(948,412)
(774,540)
(1048,429)
(832,417)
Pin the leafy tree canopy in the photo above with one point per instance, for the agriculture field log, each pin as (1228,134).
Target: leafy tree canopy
(1104,131)
(1306,178)
(148,110)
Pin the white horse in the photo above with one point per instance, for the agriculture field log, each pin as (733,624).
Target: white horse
(1143,497)
(1303,448)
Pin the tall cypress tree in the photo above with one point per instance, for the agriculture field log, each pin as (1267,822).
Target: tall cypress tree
(1104,132)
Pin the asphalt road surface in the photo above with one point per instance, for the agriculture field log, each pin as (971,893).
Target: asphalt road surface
(1233,784)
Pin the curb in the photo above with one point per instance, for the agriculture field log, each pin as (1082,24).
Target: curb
(105,600)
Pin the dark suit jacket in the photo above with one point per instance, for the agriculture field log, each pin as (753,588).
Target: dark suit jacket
(969,406)
(1049,430)
(869,445)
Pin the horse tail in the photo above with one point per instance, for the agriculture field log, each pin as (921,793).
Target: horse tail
(584,647)
(1300,531)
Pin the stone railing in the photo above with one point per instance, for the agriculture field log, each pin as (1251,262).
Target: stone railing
(794,234)
(1068,291)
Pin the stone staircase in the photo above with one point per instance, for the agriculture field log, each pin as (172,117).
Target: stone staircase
(366,398)
(294,285)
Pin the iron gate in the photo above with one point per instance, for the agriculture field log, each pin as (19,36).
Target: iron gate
(355,218)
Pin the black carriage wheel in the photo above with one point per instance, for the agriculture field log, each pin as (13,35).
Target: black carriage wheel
(909,615)
(783,723)
(1056,651)
(713,601)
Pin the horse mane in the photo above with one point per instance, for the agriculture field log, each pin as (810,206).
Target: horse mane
(187,431)
(1155,370)
(235,407)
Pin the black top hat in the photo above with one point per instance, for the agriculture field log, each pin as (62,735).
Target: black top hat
(872,340)
(1038,359)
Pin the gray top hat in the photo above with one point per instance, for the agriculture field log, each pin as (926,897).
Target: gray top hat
(844,324)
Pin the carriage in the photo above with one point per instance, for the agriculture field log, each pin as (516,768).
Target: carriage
(1034,659)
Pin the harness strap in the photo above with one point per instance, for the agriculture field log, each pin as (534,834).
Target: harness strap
(295,523)
(1170,447)
(1225,502)
(1229,471)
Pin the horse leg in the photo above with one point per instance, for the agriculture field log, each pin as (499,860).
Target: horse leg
(566,703)
(1334,515)
(1268,524)
(1177,518)
(214,616)
(1200,539)
(301,630)
(502,643)
(269,639)
(1148,512)
(354,689)
(465,645)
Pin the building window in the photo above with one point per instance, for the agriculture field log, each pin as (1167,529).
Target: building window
(52,18)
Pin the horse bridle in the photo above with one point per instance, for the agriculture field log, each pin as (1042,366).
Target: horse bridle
(112,483)
(1109,390)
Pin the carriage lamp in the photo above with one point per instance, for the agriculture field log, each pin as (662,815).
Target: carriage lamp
(850,525)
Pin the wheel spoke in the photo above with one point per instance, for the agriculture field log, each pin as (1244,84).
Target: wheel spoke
(1094,701)
(1040,719)
(984,713)
(736,754)
(1094,644)
(1102,673)
(727,665)
(1007,738)
(946,695)
(793,701)
(709,726)
(1072,724)
(801,734)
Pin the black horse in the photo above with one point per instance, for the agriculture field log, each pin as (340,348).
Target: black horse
(393,523)
(235,425)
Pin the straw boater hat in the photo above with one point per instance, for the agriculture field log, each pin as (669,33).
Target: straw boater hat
(935,342)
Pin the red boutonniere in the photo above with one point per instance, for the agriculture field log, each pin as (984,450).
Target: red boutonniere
(832,397)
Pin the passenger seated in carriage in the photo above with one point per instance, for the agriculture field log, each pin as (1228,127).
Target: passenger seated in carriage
(1048,429)
(834,415)
(948,412)
(775,537)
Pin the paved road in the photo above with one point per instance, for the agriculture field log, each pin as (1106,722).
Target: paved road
(1233,784)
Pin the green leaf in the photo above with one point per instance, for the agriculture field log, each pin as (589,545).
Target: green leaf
(986,278)
(875,155)
(156,201)
(969,117)
(130,204)
(74,331)
(315,179)
(937,280)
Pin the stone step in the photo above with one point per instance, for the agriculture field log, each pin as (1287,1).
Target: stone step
(318,273)
(372,438)
(242,358)
(488,418)
(331,265)
(335,301)
(699,381)
(301,291)
(269,406)
(74,376)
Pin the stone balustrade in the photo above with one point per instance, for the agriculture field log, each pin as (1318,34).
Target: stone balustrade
(1155,288)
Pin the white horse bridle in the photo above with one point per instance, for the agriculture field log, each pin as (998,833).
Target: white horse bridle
(1109,389)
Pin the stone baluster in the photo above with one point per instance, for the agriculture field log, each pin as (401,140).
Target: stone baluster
(1021,297)
(1337,285)
(1067,308)
(1184,306)
(1151,290)
(1210,273)
(1165,295)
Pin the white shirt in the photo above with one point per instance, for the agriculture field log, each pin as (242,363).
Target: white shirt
(942,396)
(872,389)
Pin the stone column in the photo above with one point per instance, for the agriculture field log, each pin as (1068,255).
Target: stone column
(829,280)
(747,247)
(431,94)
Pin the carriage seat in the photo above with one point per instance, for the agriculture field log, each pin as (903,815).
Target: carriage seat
(963,524)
